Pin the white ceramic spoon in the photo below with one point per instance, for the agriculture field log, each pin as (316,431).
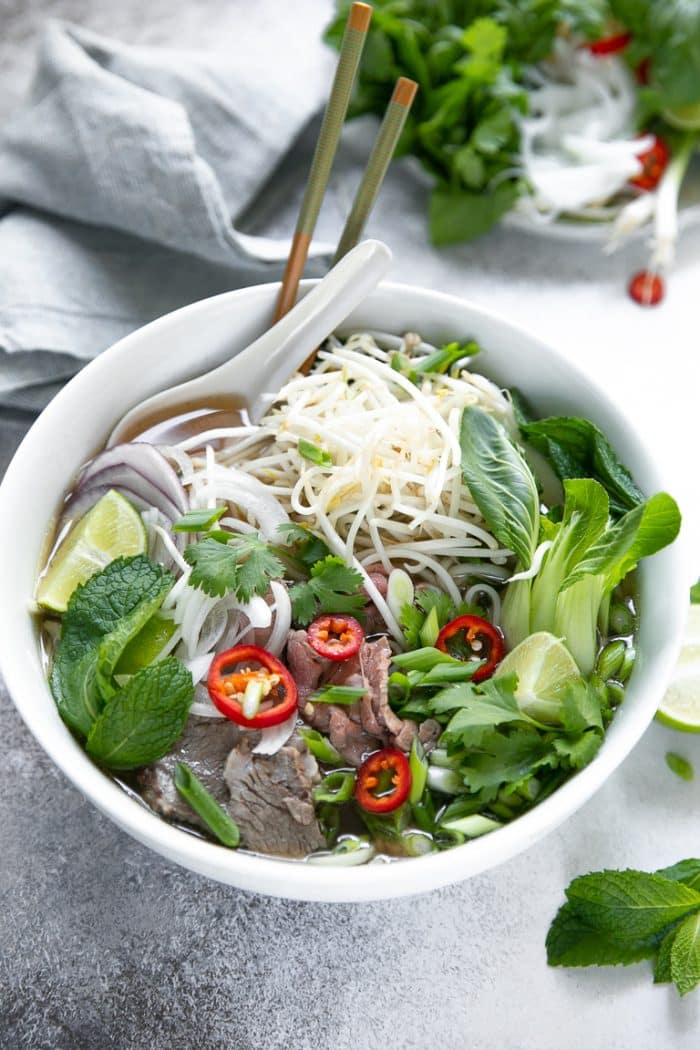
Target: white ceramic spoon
(244,384)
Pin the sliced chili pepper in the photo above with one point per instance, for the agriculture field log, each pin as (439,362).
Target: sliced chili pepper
(471,638)
(245,667)
(647,288)
(336,636)
(383,781)
(654,163)
(609,45)
(643,71)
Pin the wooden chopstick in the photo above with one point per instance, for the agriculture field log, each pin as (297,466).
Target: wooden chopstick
(383,150)
(348,62)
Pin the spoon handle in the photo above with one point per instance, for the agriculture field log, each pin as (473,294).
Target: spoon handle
(268,362)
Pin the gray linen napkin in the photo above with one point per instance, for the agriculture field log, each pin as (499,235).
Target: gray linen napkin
(121,183)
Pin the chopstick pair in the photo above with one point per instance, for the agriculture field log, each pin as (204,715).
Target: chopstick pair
(392,125)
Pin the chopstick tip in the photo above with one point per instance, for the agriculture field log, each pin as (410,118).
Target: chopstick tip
(360,17)
(404,91)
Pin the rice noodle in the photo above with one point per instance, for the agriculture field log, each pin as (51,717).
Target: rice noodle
(393,493)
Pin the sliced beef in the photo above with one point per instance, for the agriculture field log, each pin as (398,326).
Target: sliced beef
(204,747)
(306,665)
(359,728)
(271,798)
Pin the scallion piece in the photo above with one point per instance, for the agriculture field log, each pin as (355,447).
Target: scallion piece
(336,787)
(205,806)
(471,827)
(315,454)
(418,765)
(442,360)
(199,520)
(424,659)
(431,628)
(443,674)
(337,694)
(319,746)
(448,781)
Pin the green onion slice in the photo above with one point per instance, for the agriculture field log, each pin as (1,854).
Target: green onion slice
(221,825)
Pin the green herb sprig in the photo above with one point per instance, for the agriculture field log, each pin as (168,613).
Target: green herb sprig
(615,918)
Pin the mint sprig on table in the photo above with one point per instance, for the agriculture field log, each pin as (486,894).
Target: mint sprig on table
(615,918)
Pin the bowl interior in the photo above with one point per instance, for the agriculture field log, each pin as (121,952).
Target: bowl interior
(198,337)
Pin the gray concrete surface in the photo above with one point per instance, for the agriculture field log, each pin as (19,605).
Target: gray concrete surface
(105,945)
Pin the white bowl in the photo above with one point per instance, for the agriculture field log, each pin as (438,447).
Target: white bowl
(197,337)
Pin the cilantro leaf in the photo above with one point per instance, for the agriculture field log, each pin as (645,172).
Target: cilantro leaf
(103,615)
(504,758)
(243,566)
(494,704)
(580,708)
(306,547)
(333,587)
(140,723)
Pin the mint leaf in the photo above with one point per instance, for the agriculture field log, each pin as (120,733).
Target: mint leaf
(662,963)
(630,906)
(685,955)
(103,615)
(244,565)
(686,871)
(333,587)
(199,520)
(572,942)
(141,722)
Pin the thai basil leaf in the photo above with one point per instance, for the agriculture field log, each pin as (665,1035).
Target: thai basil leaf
(501,483)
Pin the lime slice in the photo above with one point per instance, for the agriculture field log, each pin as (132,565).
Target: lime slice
(110,529)
(544,667)
(680,707)
(146,646)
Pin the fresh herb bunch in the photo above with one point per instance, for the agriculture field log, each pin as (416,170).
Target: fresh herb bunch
(615,918)
(467,57)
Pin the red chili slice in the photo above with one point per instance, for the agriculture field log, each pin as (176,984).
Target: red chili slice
(383,781)
(233,670)
(610,45)
(471,638)
(654,163)
(647,288)
(336,636)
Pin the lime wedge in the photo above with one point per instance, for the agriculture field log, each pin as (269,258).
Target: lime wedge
(544,667)
(680,707)
(687,117)
(109,530)
(146,646)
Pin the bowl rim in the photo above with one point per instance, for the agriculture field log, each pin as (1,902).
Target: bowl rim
(298,879)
